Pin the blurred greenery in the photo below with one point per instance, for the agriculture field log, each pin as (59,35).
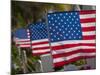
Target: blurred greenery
(24,13)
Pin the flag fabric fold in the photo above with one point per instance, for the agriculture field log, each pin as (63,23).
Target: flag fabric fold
(22,38)
(72,35)
(39,39)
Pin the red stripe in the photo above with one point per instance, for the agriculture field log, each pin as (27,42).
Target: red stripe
(84,29)
(73,52)
(59,64)
(41,48)
(87,12)
(88,20)
(90,37)
(66,46)
(85,44)
(37,43)
(38,54)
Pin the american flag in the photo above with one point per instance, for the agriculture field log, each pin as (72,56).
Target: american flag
(22,38)
(72,36)
(39,39)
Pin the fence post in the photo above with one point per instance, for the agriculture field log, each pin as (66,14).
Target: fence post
(46,63)
(24,61)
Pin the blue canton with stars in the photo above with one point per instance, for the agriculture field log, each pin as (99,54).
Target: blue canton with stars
(38,31)
(64,26)
(21,33)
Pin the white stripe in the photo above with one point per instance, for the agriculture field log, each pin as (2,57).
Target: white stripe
(56,60)
(40,45)
(22,39)
(23,42)
(92,24)
(40,51)
(84,16)
(41,40)
(71,49)
(72,42)
(24,45)
(89,33)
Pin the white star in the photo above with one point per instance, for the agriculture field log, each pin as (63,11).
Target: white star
(57,32)
(53,24)
(58,38)
(52,39)
(54,14)
(75,22)
(50,27)
(71,28)
(61,20)
(61,14)
(49,21)
(69,31)
(72,19)
(66,13)
(78,25)
(48,15)
(52,18)
(70,22)
(58,17)
(54,35)
(59,29)
(72,34)
(58,23)
(69,37)
(62,25)
(76,13)
(56,26)
(74,16)
(74,37)
(64,17)
(64,22)
(51,33)
(66,34)
(55,20)
(79,31)
(77,19)
(76,28)
(77,34)
(68,25)
(60,35)
(69,16)
(71,13)
(64,37)
(65,28)
(53,29)
(63,32)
